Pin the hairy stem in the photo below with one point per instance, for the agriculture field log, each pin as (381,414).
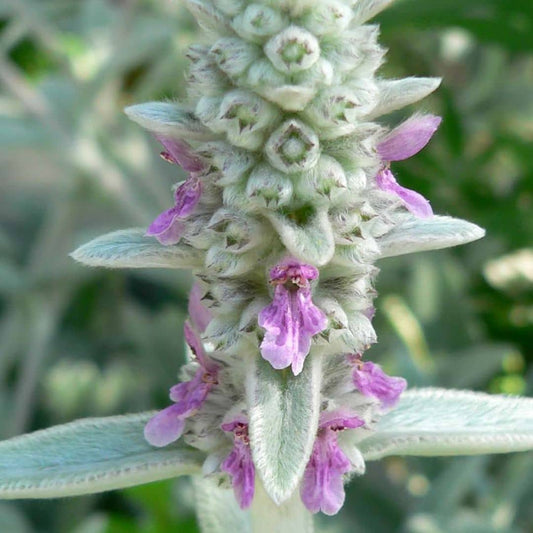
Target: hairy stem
(289,517)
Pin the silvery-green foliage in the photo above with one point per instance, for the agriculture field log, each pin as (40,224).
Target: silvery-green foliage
(97,454)
(167,118)
(283,410)
(133,249)
(395,94)
(87,456)
(446,422)
(415,235)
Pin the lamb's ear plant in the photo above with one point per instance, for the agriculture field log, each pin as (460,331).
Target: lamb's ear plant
(290,202)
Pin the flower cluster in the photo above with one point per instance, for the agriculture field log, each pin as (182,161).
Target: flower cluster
(289,203)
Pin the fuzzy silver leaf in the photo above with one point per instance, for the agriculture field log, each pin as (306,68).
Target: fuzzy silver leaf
(88,456)
(131,248)
(435,422)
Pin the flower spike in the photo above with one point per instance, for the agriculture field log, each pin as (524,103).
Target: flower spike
(284,161)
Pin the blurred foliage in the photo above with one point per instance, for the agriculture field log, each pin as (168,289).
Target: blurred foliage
(77,342)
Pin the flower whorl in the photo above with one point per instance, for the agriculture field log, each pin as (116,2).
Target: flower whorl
(290,202)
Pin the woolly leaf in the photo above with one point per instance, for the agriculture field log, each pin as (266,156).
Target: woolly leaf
(395,94)
(448,422)
(311,241)
(88,456)
(283,412)
(366,9)
(131,248)
(168,119)
(208,17)
(420,234)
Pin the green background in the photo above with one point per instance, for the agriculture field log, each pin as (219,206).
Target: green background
(77,342)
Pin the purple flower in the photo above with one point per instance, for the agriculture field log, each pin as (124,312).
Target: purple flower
(401,143)
(180,153)
(322,486)
(168,227)
(370,380)
(292,318)
(238,464)
(412,200)
(408,138)
(197,348)
(188,397)
(199,314)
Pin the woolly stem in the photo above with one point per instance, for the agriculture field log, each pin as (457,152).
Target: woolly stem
(289,517)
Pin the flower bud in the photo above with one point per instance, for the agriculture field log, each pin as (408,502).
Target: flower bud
(335,111)
(355,49)
(232,163)
(292,50)
(231,7)
(293,147)
(267,187)
(239,231)
(243,116)
(328,18)
(204,78)
(327,179)
(220,261)
(258,22)
(234,56)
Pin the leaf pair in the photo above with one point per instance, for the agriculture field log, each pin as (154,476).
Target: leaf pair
(132,249)
(98,454)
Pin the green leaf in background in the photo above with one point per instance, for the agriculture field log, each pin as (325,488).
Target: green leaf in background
(131,248)
(283,410)
(437,422)
(88,456)
(505,22)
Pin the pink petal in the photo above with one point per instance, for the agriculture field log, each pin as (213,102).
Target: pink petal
(181,153)
(412,200)
(187,196)
(372,381)
(239,464)
(322,486)
(408,138)
(197,347)
(200,315)
(189,396)
(291,320)
(165,427)
(340,419)
(167,228)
